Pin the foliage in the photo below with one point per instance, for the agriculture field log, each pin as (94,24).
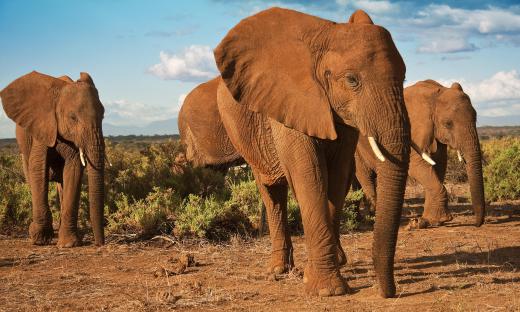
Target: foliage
(502,174)
(15,196)
(349,215)
(145,217)
(246,199)
(456,170)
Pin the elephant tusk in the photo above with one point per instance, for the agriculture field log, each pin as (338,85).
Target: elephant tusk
(375,148)
(82,157)
(428,159)
(459,155)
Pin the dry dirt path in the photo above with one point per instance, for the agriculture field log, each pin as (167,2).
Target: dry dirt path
(453,268)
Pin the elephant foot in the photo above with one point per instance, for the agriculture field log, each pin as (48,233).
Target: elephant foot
(436,220)
(324,284)
(40,235)
(68,240)
(281,261)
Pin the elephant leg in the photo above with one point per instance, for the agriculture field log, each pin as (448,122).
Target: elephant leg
(40,229)
(436,197)
(303,162)
(340,161)
(68,233)
(275,201)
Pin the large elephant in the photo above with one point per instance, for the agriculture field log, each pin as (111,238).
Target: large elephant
(439,117)
(294,92)
(58,129)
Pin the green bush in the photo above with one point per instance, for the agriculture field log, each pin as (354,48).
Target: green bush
(456,170)
(246,199)
(502,174)
(145,217)
(294,216)
(349,218)
(15,195)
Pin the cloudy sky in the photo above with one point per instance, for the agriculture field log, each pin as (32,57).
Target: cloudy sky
(145,56)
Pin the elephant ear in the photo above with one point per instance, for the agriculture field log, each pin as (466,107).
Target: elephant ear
(420,105)
(85,77)
(30,101)
(267,65)
(456,86)
(360,17)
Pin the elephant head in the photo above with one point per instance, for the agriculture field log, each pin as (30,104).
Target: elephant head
(52,109)
(310,74)
(446,115)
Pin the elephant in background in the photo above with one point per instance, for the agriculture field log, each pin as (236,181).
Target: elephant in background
(58,130)
(202,132)
(439,117)
(295,91)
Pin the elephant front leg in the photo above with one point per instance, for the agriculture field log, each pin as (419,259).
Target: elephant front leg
(436,198)
(68,233)
(275,200)
(304,166)
(40,229)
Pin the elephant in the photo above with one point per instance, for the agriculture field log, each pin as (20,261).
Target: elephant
(202,131)
(439,117)
(293,94)
(59,132)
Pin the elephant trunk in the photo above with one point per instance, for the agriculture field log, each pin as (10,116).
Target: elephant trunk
(391,183)
(96,184)
(473,157)
(393,136)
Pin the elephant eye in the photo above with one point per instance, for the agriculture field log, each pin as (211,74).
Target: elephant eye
(448,124)
(73,117)
(352,80)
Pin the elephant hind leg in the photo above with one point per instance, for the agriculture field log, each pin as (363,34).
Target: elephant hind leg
(275,201)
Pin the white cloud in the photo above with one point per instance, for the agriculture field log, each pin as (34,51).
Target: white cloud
(376,7)
(195,64)
(180,101)
(125,113)
(437,24)
(446,45)
(7,126)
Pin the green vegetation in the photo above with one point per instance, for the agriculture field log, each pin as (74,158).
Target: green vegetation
(502,172)
(152,190)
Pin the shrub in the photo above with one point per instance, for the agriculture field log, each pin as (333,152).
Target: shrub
(15,196)
(349,215)
(145,217)
(501,174)
(294,216)
(246,198)
(456,170)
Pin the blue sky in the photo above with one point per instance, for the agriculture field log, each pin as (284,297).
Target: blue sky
(145,56)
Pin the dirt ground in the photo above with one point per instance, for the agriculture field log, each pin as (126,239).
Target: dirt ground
(456,267)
